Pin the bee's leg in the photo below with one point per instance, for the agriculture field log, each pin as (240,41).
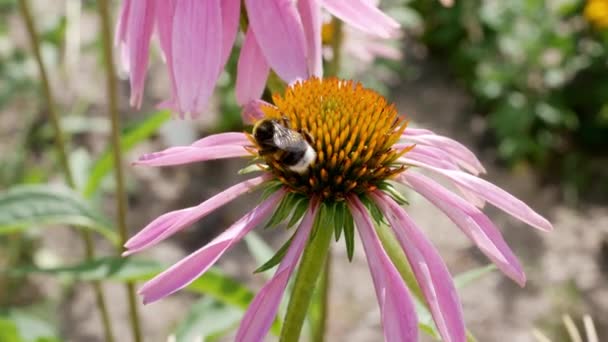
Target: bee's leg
(308,137)
(285,121)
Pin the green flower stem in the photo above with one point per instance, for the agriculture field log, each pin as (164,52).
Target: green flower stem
(319,332)
(60,145)
(305,283)
(121,199)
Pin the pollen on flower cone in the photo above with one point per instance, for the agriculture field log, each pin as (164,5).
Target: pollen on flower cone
(352,130)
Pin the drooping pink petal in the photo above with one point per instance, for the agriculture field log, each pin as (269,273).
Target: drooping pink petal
(459,152)
(252,71)
(121,26)
(196,65)
(164,24)
(190,154)
(193,266)
(430,270)
(310,12)
(279,32)
(363,15)
(396,307)
(175,221)
(493,194)
(138,31)
(231,13)
(252,111)
(263,309)
(473,223)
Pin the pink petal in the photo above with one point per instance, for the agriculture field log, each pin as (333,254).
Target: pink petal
(310,12)
(141,15)
(231,13)
(362,15)
(396,307)
(279,32)
(193,266)
(175,221)
(217,146)
(430,270)
(229,138)
(495,195)
(263,309)
(252,111)
(471,221)
(459,152)
(252,71)
(196,65)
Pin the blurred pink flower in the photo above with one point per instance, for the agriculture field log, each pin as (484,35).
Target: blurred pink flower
(196,38)
(360,164)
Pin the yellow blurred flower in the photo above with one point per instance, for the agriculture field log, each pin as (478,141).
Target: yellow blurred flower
(596,12)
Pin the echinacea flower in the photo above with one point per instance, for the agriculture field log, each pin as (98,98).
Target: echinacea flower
(362,148)
(596,12)
(196,38)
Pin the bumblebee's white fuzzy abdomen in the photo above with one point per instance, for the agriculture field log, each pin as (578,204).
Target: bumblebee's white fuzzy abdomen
(302,165)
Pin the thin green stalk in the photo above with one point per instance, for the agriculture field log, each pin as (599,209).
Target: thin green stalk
(121,199)
(61,149)
(319,332)
(310,268)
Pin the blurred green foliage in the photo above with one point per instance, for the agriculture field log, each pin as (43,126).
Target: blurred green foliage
(539,71)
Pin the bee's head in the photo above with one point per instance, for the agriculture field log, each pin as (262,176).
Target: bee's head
(263,130)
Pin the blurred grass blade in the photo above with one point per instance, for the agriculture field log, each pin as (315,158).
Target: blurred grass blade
(465,278)
(26,206)
(131,137)
(206,320)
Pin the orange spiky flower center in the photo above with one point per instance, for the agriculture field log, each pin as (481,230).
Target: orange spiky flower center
(352,131)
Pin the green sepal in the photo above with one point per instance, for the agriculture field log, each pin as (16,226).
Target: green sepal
(299,210)
(276,258)
(283,210)
(395,194)
(349,234)
(373,209)
(252,168)
(339,208)
(270,188)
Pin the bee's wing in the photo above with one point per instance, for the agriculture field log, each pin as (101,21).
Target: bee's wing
(287,139)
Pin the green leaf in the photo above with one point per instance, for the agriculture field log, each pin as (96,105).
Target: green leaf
(465,278)
(207,319)
(276,258)
(349,234)
(23,207)
(132,136)
(9,332)
(31,327)
(213,283)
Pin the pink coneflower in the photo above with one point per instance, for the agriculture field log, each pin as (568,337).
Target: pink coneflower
(361,148)
(196,38)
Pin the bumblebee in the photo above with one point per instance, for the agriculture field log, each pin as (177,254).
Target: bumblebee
(289,147)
